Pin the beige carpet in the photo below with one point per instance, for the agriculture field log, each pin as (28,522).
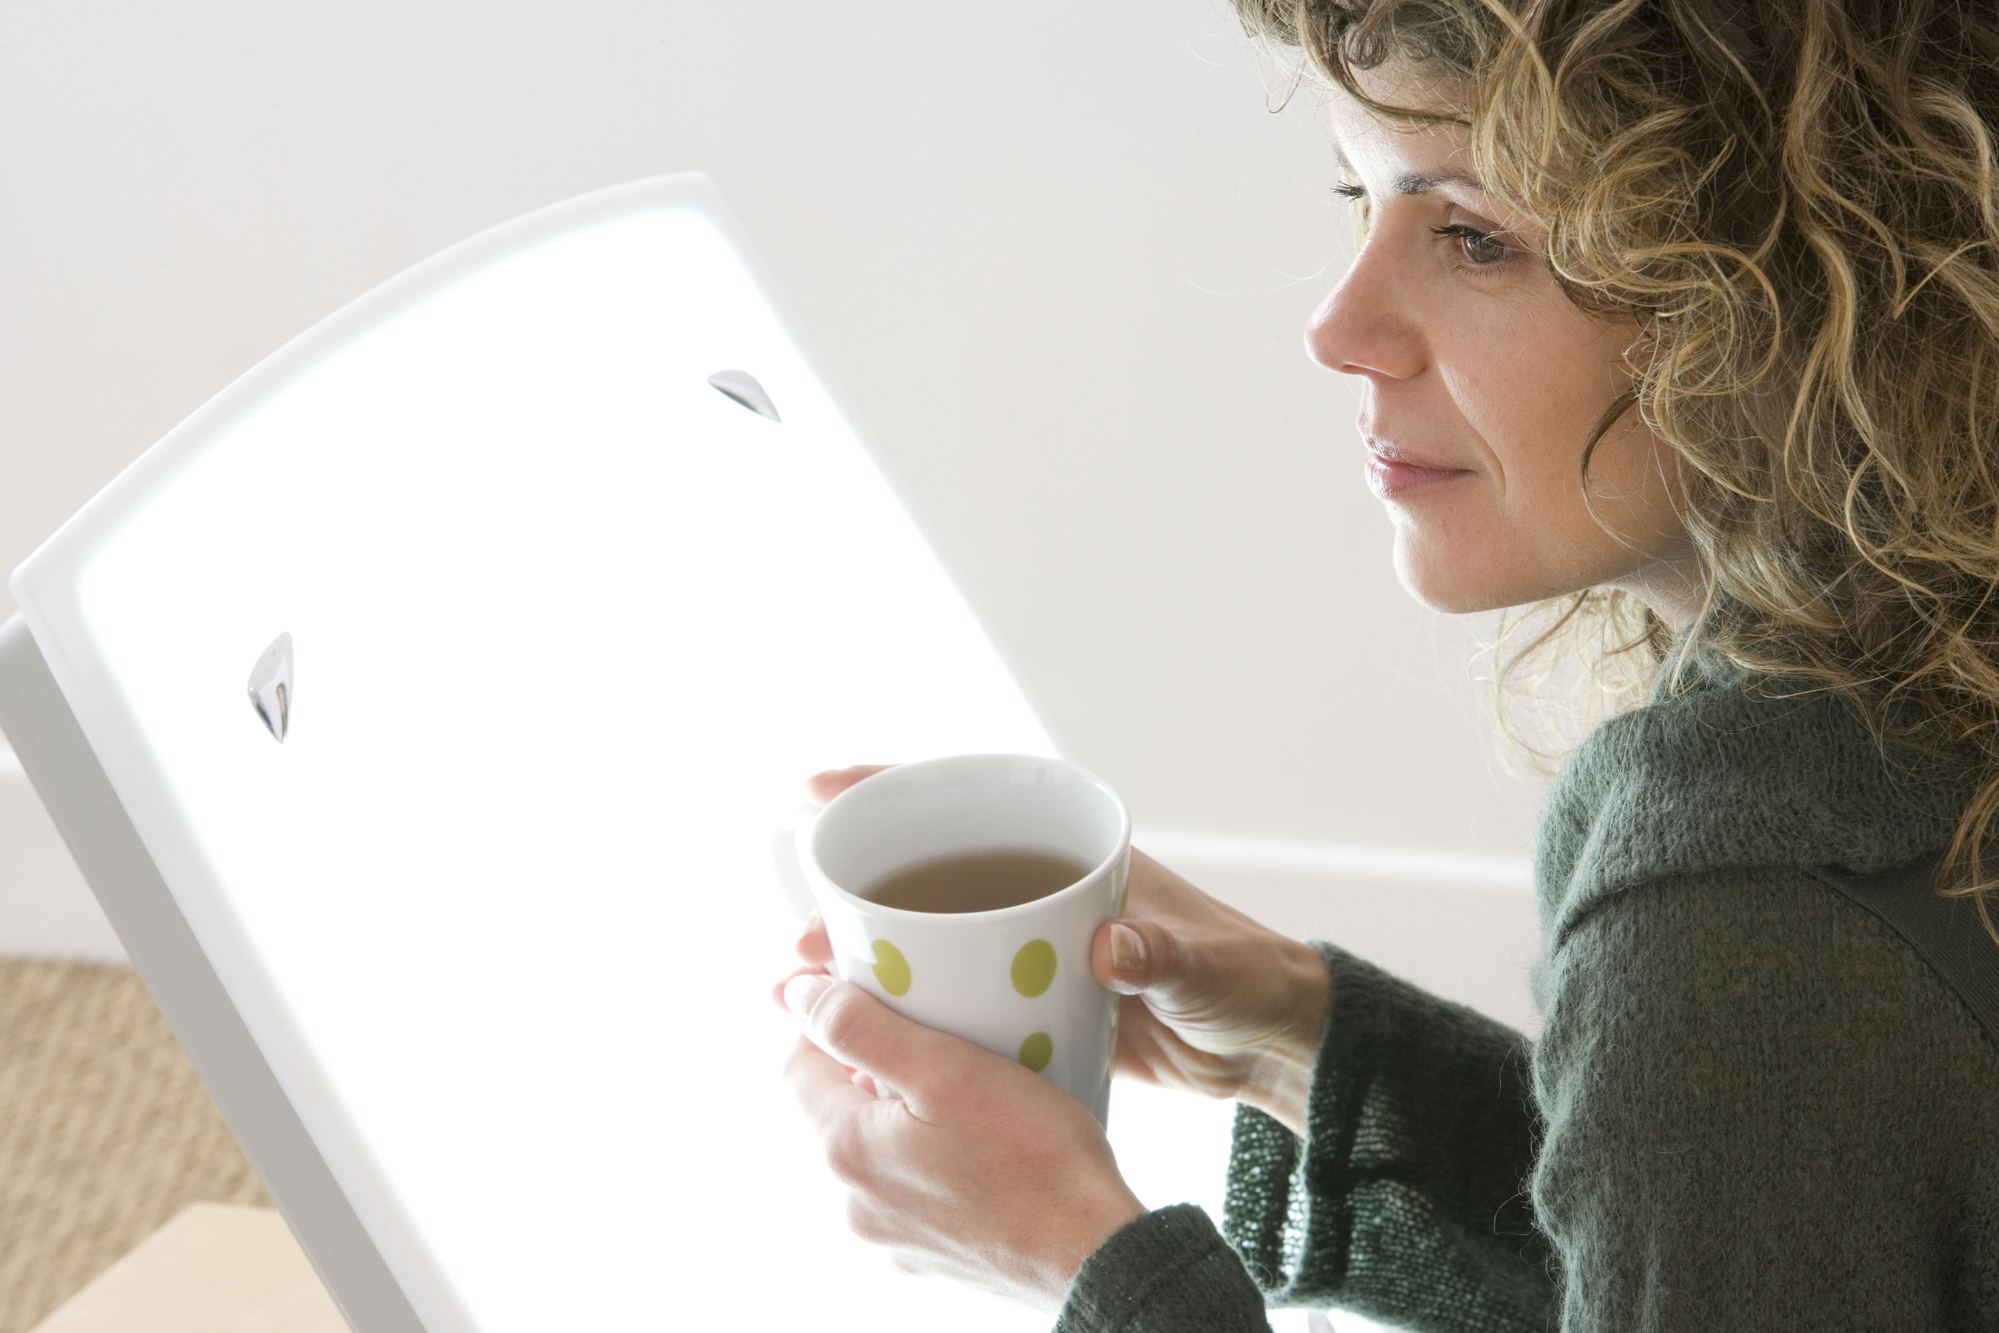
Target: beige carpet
(105,1132)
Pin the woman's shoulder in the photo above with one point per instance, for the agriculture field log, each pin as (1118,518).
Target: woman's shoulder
(1732,773)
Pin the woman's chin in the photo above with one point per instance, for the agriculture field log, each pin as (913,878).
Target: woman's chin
(1461,585)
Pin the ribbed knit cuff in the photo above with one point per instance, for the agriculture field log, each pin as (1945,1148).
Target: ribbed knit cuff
(1169,1271)
(1264,1212)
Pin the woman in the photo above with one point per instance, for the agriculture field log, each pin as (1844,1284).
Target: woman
(1680,317)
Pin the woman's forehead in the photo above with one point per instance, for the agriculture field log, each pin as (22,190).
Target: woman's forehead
(1372,146)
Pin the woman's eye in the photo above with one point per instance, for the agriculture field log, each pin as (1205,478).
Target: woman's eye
(1482,249)
(1479,247)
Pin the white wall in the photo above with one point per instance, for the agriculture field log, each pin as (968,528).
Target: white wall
(1058,253)
(45,907)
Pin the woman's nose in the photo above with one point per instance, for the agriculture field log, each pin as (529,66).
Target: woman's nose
(1361,327)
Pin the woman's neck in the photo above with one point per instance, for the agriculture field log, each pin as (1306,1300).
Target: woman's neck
(1675,589)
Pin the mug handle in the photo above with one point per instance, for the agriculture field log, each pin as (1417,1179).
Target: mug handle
(785,854)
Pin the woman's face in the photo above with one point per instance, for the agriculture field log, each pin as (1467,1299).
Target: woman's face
(1481,384)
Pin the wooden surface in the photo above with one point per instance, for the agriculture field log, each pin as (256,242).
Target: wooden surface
(215,1268)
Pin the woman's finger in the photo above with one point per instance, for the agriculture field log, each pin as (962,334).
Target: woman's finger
(823,787)
(814,946)
(777,991)
(1132,955)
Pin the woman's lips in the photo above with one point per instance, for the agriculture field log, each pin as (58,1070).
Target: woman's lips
(1391,476)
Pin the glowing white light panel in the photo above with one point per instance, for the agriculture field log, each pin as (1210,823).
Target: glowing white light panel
(570,626)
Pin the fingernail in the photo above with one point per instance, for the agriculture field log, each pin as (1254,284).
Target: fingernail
(801,993)
(1127,948)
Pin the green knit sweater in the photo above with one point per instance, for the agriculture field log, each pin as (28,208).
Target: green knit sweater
(1752,1105)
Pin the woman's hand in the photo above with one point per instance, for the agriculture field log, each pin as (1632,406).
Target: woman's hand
(983,1171)
(1215,1003)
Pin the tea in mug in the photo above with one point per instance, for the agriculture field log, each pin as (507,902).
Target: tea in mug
(982,881)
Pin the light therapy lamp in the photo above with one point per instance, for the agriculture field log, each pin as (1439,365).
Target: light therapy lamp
(421,710)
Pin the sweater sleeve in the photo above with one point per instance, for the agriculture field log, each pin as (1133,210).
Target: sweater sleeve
(1763,1111)
(1166,1272)
(1405,1201)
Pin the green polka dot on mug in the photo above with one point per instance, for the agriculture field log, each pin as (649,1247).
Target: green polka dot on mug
(1037,1051)
(1034,968)
(891,968)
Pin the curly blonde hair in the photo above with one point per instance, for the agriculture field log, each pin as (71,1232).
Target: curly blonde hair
(1799,205)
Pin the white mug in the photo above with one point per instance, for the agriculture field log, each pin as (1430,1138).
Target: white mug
(1015,980)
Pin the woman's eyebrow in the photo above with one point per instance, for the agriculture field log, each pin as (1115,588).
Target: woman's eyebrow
(1414,185)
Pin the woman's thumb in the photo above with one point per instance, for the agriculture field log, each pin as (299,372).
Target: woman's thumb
(1130,956)
(861,1032)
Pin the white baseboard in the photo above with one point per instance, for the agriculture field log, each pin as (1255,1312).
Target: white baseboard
(1339,860)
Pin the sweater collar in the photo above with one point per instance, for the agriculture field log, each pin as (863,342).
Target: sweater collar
(1725,770)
